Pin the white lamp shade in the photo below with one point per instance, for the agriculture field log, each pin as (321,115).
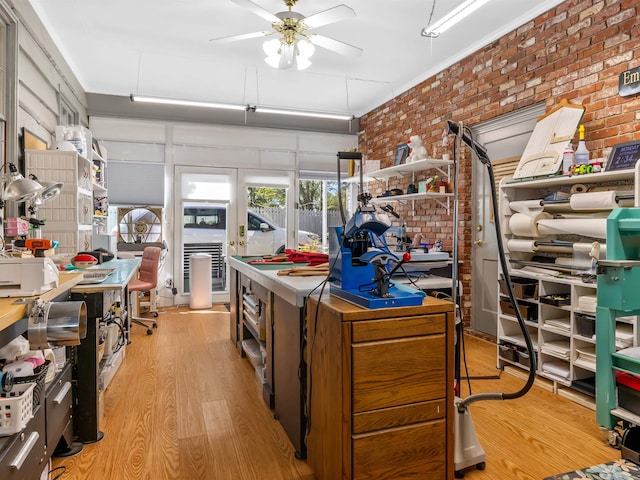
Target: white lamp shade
(21,189)
(49,191)
(283,56)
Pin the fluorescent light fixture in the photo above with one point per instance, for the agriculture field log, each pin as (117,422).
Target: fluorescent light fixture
(186,103)
(299,113)
(453,17)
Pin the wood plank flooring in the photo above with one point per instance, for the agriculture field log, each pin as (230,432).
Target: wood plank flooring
(184,405)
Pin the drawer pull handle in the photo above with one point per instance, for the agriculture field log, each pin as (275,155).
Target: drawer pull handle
(25,451)
(62,393)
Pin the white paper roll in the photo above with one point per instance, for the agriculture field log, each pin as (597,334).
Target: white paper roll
(586,248)
(587,227)
(577,262)
(594,200)
(526,206)
(521,245)
(526,225)
(578,188)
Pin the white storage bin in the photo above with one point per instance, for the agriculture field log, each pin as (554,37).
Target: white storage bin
(16,408)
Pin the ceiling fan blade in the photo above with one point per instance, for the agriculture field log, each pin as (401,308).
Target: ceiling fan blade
(331,15)
(257,9)
(336,46)
(235,38)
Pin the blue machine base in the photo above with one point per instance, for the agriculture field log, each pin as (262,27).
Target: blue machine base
(399,298)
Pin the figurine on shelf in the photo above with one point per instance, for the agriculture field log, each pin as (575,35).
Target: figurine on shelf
(445,145)
(418,150)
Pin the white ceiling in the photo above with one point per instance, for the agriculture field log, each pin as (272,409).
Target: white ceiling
(162,48)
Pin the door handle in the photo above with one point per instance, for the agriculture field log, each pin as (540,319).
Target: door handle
(241,243)
(231,243)
(478,242)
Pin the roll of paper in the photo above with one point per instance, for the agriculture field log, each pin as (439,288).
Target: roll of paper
(594,200)
(587,227)
(19,369)
(586,248)
(578,188)
(526,206)
(526,225)
(521,245)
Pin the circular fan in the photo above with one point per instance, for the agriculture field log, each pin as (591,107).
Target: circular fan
(139,224)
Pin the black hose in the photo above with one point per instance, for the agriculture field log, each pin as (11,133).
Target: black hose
(462,406)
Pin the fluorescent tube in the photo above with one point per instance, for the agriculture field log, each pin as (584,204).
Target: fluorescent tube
(453,17)
(186,103)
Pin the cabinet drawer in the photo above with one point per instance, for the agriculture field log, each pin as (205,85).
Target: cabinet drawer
(398,372)
(418,451)
(58,407)
(370,330)
(399,416)
(24,455)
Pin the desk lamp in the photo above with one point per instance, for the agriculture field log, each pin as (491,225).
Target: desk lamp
(49,191)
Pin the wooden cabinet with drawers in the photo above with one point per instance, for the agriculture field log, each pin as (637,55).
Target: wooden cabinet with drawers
(380,390)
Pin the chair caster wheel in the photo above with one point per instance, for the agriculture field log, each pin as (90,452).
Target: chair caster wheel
(149,331)
(459,474)
(155,314)
(155,325)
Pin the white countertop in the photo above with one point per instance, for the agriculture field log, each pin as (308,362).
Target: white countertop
(292,289)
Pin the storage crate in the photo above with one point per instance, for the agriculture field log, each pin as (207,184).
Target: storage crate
(628,392)
(528,311)
(585,325)
(16,408)
(16,226)
(508,352)
(557,299)
(522,287)
(523,358)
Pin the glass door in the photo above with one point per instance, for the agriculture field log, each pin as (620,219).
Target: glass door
(267,210)
(205,223)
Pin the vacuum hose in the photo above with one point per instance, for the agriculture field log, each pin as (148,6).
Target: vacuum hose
(463,404)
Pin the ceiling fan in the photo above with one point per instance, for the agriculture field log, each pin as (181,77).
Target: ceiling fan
(295,43)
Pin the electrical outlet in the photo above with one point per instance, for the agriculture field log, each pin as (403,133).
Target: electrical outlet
(174,290)
(168,283)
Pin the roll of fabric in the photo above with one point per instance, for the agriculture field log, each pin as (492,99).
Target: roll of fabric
(594,200)
(521,245)
(587,227)
(526,206)
(526,225)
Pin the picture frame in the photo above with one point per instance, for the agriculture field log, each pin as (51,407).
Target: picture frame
(624,156)
(402,152)
(30,141)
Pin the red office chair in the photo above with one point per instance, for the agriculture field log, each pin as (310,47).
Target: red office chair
(147,281)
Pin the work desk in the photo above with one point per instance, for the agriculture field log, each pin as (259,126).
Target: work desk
(11,312)
(294,290)
(47,429)
(270,309)
(91,378)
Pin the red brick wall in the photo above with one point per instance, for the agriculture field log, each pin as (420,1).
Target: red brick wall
(575,51)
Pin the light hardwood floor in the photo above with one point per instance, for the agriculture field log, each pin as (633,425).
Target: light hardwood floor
(185,405)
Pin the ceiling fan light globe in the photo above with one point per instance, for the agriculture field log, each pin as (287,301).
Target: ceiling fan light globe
(271,47)
(305,49)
